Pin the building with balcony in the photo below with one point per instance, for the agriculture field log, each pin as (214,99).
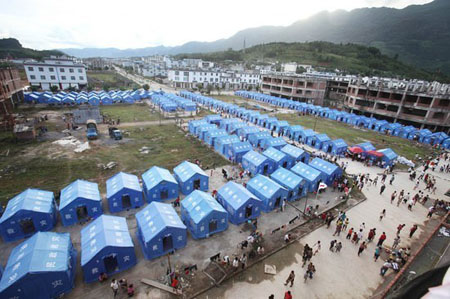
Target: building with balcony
(61,72)
(11,93)
(418,103)
(303,88)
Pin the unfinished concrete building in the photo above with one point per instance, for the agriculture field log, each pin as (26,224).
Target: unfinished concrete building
(10,95)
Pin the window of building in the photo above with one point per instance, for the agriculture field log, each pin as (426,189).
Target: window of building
(30,68)
(63,77)
(42,77)
(61,70)
(177,73)
(80,70)
(70,70)
(50,69)
(32,77)
(72,77)
(53,77)
(41,69)
(81,78)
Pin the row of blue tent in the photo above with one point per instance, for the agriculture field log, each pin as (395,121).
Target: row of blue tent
(93,98)
(424,136)
(170,102)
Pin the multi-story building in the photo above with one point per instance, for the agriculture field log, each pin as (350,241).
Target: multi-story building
(97,63)
(11,94)
(303,88)
(185,78)
(418,103)
(60,72)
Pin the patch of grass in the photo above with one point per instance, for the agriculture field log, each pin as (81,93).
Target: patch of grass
(351,135)
(109,80)
(130,113)
(168,146)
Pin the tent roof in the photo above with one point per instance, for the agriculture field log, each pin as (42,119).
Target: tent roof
(235,194)
(31,200)
(186,170)
(105,231)
(286,178)
(277,141)
(323,165)
(43,252)
(309,132)
(200,204)
(228,139)
(79,188)
(339,143)
(274,154)
(156,175)
(120,181)
(155,217)
(322,137)
(264,185)
(239,147)
(292,150)
(389,153)
(254,157)
(305,171)
(366,146)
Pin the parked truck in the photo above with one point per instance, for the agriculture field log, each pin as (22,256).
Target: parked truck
(91,130)
(115,133)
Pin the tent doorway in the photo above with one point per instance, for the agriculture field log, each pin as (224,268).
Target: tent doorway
(212,226)
(313,142)
(290,194)
(167,243)
(197,184)
(27,226)
(164,194)
(329,149)
(248,211)
(300,192)
(302,160)
(110,263)
(82,212)
(126,201)
(265,169)
(277,202)
(285,164)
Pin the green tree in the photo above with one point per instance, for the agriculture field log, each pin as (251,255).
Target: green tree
(53,88)
(209,88)
(300,70)
(146,87)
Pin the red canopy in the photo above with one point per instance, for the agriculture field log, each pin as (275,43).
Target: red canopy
(375,153)
(356,150)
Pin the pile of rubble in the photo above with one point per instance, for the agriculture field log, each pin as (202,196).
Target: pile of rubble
(72,142)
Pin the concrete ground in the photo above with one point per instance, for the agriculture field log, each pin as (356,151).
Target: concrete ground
(344,274)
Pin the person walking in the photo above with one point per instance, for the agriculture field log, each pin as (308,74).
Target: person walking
(346,222)
(371,235)
(360,236)
(392,179)
(393,196)
(377,253)
(288,295)
(383,186)
(430,212)
(399,228)
(349,235)
(412,230)
(361,248)
(382,214)
(396,242)
(338,228)
(235,263)
(290,278)
(332,243)
(244,260)
(338,247)
(114,287)
(381,239)
(317,247)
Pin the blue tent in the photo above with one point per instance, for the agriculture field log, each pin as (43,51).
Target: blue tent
(422,135)
(190,177)
(212,135)
(337,147)
(435,138)
(106,247)
(257,139)
(30,211)
(256,163)
(159,184)
(226,123)
(213,119)
(277,143)
(201,130)
(268,191)
(80,201)
(159,230)
(262,119)
(240,203)
(291,182)
(330,170)
(279,158)
(366,147)
(194,124)
(311,175)
(123,191)
(42,266)
(296,153)
(407,132)
(446,143)
(223,144)
(307,136)
(293,132)
(321,141)
(244,132)
(203,215)
(237,150)
(389,156)
(236,126)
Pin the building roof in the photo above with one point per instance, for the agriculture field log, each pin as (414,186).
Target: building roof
(236,195)
(323,166)
(274,154)
(186,170)
(120,181)
(200,204)
(103,232)
(31,200)
(286,178)
(264,185)
(79,189)
(42,252)
(155,217)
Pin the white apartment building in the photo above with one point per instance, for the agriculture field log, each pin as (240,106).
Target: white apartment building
(222,79)
(63,73)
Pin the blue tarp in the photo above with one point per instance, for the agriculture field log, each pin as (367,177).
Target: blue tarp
(123,191)
(159,184)
(106,247)
(237,150)
(311,175)
(190,177)
(291,182)
(41,267)
(30,211)
(203,215)
(281,159)
(79,201)
(296,153)
(256,163)
(268,191)
(159,230)
(240,203)
(330,170)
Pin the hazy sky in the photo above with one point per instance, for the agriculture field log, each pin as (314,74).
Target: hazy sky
(49,24)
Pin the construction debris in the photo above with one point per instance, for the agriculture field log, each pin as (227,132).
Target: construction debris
(72,142)
(144,150)
(270,269)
